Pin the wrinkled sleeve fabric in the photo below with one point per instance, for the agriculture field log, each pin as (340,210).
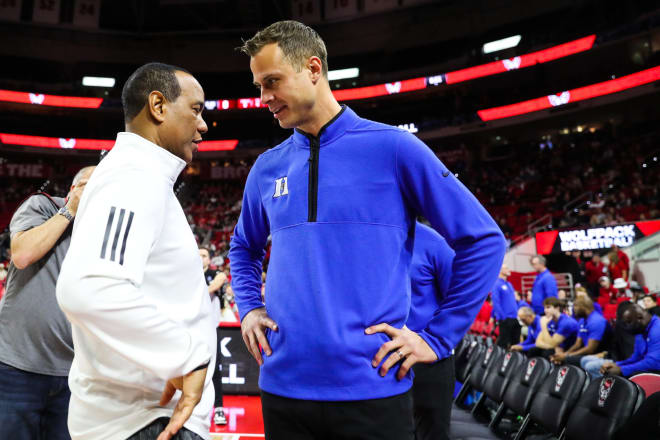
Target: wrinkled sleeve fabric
(247,247)
(431,190)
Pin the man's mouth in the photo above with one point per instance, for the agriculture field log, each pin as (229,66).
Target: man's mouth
(277,110)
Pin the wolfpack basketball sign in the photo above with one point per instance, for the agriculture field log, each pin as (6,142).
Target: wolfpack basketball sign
(594,238)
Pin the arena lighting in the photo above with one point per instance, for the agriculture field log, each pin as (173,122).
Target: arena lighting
(522,61)
(50,100)
(352,72)
(380,90)
(98,81)
(574,95)
(504,43)
(95,144)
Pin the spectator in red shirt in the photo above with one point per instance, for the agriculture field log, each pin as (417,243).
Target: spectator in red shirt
(594,269)
(606,290)
(617,267)
(623,258)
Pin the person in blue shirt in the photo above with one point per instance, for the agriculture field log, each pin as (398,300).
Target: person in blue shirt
(545,285)
(505,309)
(533,323)
(593,332)
(646,357)
(339,199)
(430,278)
(558,330)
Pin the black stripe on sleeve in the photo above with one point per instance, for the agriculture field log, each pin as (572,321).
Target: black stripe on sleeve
(108,227)
(123,244)
(117,231)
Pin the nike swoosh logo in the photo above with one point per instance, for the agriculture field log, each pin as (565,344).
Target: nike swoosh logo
(445,173)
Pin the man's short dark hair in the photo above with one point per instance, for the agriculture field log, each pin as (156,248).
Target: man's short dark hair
(206,249)
(146,79)
(297,41)
(649,296)
(552,302)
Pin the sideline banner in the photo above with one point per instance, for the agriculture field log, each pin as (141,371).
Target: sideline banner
(240,372)
(623,235)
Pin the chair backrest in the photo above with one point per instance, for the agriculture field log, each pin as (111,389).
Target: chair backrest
(607,404)
(525,383)
(500,374)
(481,370)
(472,354)
(649,382)
(557,396)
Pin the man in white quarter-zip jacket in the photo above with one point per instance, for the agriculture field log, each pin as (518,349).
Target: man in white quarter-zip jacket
(132,284)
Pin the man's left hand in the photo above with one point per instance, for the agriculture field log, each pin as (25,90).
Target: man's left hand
(610,368)
(405,344)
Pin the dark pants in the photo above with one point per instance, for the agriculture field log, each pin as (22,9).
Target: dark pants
(390,418)
(433,391)
(573,360)
(509,333)
(540,352)
(33,406)
(217,373)
(153,430)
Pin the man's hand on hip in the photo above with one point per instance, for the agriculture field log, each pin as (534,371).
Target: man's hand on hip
(191,386)
(406,344)
(253,329)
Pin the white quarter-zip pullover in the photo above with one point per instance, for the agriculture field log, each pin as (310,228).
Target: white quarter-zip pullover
(133,288)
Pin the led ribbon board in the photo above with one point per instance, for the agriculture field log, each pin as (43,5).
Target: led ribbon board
(50,100)
(95,144)
(624,235)
(574,95)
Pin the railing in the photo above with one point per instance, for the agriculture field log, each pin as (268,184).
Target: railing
(564,281)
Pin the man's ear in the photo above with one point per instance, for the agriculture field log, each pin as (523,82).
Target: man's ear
(315,67)
(156,105)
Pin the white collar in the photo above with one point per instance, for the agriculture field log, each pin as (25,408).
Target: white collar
(150,154)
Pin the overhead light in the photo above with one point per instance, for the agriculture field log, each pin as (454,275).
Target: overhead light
(352,72)
(504,43)
(98,81)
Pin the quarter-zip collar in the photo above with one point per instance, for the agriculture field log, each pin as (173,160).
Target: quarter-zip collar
(334,128)
(150,155)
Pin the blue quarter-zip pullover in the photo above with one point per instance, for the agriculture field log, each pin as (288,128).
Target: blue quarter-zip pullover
(341,210)
(544,287)
(504,300)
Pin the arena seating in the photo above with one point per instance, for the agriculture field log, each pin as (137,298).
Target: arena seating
(559,401)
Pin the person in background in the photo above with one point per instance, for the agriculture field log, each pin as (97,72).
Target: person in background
(505,309)
(594,269)
(216,280)
(558,330)
(606,292)
(520,301)
(651,305)
(533,323)
(617,268)
(646,355)
(622,290)
(624,260)
(36,348)
(592,334)
(581,292)
(545,285)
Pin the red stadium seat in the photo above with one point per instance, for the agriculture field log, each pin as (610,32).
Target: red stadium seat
(649,382)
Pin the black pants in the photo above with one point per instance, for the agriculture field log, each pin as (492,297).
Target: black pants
(433,392)
(217,373)
(390,418)
(153,430)
(509,333)
(540,352)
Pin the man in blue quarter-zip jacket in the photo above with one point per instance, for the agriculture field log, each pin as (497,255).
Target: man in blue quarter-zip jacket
(339,199)
(505,309)
(545,285)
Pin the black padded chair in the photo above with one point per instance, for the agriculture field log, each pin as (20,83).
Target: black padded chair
(555,400)
(462,358)
(479,371)
(603,408)
(494,386)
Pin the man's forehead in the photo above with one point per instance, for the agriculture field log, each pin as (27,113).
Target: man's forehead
(190,85)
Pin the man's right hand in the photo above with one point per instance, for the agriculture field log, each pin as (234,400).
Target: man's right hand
(516,348)
(253,329)
(191,386)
